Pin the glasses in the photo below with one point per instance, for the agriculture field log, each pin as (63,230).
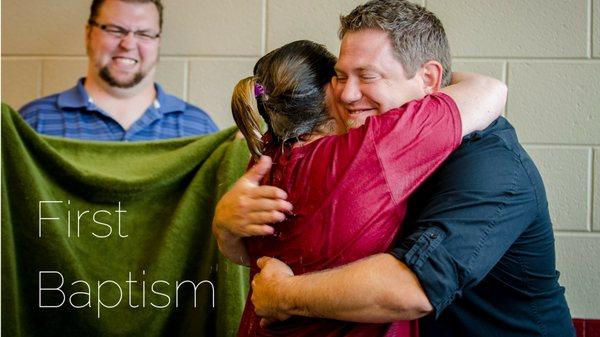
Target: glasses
(120,32)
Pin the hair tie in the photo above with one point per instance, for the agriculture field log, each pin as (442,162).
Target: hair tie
(259,90)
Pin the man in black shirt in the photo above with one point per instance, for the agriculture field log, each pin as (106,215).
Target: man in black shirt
(477,254)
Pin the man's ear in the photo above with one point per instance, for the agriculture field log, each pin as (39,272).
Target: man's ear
(431,73)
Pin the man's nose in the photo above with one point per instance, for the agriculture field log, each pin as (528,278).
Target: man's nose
(128,41)
(350,91)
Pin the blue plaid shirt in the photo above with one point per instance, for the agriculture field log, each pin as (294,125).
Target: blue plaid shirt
(73,114)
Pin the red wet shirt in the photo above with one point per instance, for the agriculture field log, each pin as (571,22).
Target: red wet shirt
(349,194)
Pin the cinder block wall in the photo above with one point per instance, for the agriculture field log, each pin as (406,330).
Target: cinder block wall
(547,51)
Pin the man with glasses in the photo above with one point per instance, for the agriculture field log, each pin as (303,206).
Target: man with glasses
(118,99)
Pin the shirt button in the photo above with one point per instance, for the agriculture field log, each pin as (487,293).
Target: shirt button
(432,236)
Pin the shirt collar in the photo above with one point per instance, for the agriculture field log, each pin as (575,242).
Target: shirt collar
(497,125)
(78,97)
(166,103)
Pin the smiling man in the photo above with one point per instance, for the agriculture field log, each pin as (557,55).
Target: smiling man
(118,99)
(384,85)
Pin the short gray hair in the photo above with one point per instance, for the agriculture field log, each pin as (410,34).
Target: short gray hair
(417,35)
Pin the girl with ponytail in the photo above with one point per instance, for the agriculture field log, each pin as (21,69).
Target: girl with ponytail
(287,93)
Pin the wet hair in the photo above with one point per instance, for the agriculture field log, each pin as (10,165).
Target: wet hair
(417,35)
(290,98)
(96,4)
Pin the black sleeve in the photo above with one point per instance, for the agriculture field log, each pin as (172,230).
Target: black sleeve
(465,217)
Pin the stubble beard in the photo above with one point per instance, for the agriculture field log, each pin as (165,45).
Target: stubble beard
(113,82)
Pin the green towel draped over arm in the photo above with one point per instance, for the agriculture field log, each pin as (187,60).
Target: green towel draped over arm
(126,227)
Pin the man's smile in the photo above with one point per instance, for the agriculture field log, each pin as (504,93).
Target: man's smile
(124,60)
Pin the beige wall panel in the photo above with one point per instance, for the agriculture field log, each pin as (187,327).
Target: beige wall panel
(314,20)
(41,27)
(211,85)
(62,74)
(555,103)
(20,81)
(514,28)
(170,74)
(492,69)
(596,209)
(317,20)
(565,175)
(228,27)
(577,257)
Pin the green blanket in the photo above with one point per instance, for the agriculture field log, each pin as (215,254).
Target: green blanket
(114,239)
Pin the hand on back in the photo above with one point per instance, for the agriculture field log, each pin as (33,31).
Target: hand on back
(247,208)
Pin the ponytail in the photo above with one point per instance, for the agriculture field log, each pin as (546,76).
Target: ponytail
(245,113)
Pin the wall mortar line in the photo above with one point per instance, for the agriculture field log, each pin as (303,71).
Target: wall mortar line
(592,181)
(505,79)
(264,32)
(186,80)
(559,146)
(39,88)
(590,46)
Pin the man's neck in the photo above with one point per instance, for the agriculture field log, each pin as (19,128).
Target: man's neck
(125,106)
